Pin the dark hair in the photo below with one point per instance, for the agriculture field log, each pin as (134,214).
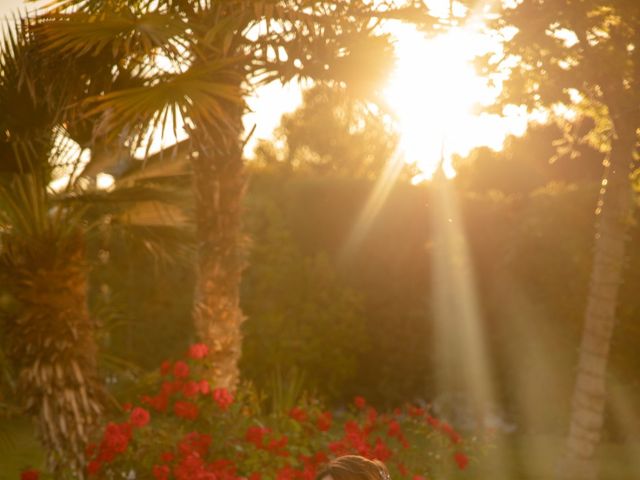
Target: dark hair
(354,467)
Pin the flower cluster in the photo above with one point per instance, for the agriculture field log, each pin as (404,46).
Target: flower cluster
(186,429)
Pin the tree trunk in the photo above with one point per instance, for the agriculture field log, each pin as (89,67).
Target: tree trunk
(51,344)
(219,188)
(615,207)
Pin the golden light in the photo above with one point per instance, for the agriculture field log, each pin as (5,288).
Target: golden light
(434,91)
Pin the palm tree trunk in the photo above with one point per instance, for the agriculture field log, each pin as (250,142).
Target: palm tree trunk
(615,208)
(219,189)
(51,346)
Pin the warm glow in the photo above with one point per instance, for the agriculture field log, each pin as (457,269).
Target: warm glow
(434,92)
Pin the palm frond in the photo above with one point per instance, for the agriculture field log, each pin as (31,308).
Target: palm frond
(123,33)
(27,107)
(199,94)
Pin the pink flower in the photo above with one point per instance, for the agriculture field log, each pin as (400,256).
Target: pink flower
(198,350)
(139,417)
(30,474)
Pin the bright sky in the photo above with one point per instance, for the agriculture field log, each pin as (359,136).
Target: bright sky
(434,91)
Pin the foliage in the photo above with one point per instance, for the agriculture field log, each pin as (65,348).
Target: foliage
(332,133)
(226,47)
(559,51)
(185,429)
(300,301)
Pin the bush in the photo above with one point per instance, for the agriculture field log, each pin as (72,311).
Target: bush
(186,430)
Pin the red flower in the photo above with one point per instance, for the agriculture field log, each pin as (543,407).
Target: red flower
(222,397)
(204,387)
(190,389)
(190,467)
(380,450)
(159,403)
(195,442)
(453,435)
(167,457)
(180,369)
(278,447)
(419,477)
(394,429)
(320,458)
(255,476)
(402,469)
(416,412)
(298,414)
(461,459)
(255,435)
(223,470)
(186,410)
(116,439)
(94,467)
(31,474)
(434,422)
(286,473)
(360,402)
(323,421)
(372,416)
(198,350)
(127,407)
(165,367)
(161,472)
(139,417)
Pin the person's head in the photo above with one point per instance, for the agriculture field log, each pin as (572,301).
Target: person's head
(354,467)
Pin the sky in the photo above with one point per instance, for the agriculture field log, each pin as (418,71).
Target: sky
(434,92)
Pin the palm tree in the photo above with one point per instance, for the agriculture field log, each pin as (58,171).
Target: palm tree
(220,50)
(50,337)
(47,328)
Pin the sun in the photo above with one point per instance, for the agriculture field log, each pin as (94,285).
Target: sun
(434,91)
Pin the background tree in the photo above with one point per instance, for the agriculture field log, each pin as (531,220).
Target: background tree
(558,52)
(217,50)
(332,133)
